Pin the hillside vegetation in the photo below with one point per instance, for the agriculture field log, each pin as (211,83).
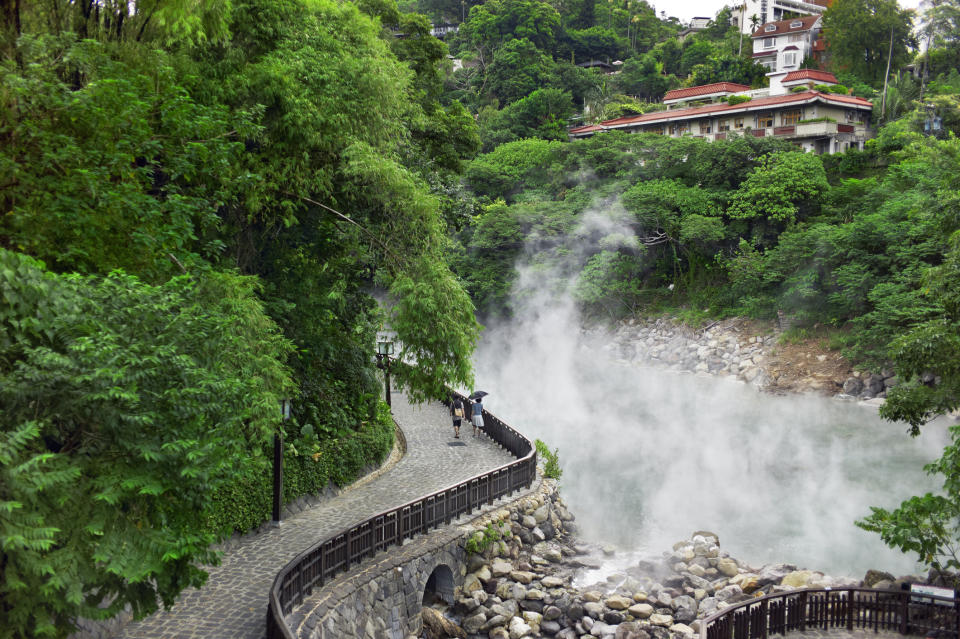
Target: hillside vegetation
(201,204)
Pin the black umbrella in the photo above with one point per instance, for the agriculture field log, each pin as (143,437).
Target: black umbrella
(478,394)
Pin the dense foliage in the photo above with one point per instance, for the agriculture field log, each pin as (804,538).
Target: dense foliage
(203,203)
(217,192)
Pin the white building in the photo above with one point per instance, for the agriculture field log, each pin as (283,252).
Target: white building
(773,10)
(781,47)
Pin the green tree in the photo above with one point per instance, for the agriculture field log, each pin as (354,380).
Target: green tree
(784,187)
(542,114)
(643,76)
(124,407)
(518,68)
(858,36)
(496,22)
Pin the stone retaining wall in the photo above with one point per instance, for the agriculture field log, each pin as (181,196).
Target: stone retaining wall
(383,596)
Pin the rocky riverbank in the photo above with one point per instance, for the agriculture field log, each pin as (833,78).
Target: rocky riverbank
(749,351)
(525,565)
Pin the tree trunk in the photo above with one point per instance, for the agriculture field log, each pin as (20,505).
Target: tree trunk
(10,15)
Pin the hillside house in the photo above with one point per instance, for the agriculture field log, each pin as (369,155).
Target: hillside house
(782,46)
(764,11)
(813,120)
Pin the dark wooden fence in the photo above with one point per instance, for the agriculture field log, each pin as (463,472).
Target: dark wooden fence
(329,557)
(824,609)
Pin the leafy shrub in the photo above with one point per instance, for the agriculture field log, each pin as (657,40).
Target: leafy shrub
(551,462)
(738,99)
(247,502)
(481,540)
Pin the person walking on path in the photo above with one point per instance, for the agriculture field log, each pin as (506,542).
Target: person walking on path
(456,411)
(477,417)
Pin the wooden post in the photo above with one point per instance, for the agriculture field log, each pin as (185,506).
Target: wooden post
(803,611)
(850,609)
(904,611)
(764,620)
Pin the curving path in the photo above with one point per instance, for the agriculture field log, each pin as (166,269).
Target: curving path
(233,602)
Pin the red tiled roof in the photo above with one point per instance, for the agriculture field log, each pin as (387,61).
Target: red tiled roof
(589,128)
(705,89)
(783,26)
(753,105)
(791,48)
(809,74)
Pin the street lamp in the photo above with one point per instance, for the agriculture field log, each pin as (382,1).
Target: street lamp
(278,462)
(384,351)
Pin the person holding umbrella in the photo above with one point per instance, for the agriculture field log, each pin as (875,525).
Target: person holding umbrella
(477,411)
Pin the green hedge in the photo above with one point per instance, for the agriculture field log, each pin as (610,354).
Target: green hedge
(247,503)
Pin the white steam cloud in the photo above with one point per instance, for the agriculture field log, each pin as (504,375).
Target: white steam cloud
(649,457)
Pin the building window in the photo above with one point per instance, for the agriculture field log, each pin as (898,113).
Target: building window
(705,127)
(789,59)
(768,65)
(796,37)
(854,116)
(796,24)
(738,123)
(790,117)
(656,129)
(764,120)
(769,43)
(770,27)
(724,125)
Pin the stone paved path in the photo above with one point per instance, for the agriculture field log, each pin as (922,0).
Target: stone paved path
(233,603)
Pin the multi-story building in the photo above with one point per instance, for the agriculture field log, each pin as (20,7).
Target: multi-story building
(816,121)
(781,47)
(750,13)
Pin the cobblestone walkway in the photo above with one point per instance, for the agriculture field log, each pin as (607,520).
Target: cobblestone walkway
(233,603)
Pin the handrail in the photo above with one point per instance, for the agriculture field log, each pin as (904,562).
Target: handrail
(337,553)
(899,610)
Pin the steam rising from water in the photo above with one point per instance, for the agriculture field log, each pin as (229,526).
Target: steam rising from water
(649,457)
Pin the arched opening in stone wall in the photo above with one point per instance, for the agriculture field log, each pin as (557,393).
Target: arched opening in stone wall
(439,586)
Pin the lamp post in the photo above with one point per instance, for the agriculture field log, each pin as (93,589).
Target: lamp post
(384,351)
(278,463)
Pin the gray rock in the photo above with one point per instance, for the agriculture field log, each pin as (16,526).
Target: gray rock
(853,386)
(728,593)
(552,612)
(613,617)
(593,609)
(875,576)
(550,627)
(685,609)
(630,630)
(707,607)
(473,623)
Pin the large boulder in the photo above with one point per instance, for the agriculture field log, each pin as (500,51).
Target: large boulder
(641,610)
(519,628)
(436,626)
(685,609)
(800,578)
(618,602)
(728,567)
(874,576)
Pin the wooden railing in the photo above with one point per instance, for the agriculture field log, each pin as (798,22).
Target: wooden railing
(824,609)
(336,554)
